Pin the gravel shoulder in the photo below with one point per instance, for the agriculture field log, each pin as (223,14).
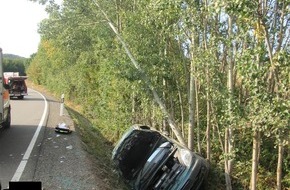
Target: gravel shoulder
(63,163)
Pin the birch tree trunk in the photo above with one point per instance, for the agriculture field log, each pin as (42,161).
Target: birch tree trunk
(255,159)
(181,108)
(230,89)
(197,116)
(279,165)
(164,124)
(147,82)
(229,131)
(226,152)
(191,105)
(208,117)
(208,112)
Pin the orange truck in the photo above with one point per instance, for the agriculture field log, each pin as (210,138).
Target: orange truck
(17,85)
(5,108)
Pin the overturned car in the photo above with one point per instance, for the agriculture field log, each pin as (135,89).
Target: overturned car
(149,160)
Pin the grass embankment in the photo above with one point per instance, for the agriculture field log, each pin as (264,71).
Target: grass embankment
(99,147)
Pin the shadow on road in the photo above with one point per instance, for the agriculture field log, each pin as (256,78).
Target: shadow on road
(27,98)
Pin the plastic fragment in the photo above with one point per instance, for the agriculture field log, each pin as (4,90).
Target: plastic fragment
(62,128)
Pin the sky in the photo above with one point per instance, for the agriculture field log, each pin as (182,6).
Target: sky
(19,21)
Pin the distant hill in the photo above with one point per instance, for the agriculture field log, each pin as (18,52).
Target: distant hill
(12,56)
(14,63)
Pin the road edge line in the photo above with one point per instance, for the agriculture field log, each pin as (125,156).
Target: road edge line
(20,169)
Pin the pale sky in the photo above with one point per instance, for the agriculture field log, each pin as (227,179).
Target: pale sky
(19,21)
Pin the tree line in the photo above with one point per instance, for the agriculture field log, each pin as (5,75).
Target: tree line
(13,63)
(214,74)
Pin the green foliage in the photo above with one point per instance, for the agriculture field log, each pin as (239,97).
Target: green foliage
(81,57)
(11,64)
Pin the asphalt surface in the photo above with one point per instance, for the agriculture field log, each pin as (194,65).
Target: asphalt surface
(26,116)
(62,162)
(57,160)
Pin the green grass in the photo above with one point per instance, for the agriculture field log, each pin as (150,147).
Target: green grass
(99,147)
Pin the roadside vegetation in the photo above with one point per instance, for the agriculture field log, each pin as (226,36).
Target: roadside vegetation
(214,74)
(100,148)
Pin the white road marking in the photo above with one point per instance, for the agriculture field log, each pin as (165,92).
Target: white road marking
(22,165)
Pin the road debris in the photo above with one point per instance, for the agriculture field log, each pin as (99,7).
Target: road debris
(69,147)
(62,128)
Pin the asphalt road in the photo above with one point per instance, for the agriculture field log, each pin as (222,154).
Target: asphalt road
(16,143)
(58,161)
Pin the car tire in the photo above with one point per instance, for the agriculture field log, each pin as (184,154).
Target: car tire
(7,121)
(20,97)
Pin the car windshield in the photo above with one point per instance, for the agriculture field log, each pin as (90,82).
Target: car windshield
(17,83)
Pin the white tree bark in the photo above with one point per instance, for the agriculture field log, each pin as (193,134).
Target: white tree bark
(279,165)
(255,159)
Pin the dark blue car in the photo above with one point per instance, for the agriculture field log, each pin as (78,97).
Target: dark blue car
(149,160)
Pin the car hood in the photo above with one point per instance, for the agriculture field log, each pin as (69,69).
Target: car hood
(134,148)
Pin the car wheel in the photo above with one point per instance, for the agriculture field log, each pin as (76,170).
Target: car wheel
(7,121)
(20,97)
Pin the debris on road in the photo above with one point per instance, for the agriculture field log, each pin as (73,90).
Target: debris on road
(63,128)
(69,147)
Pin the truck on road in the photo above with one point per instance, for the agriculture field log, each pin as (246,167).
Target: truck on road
(5,107)
(17,85)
